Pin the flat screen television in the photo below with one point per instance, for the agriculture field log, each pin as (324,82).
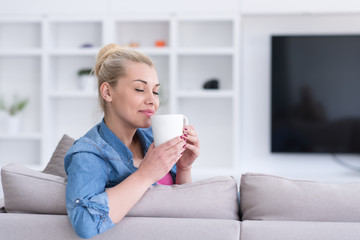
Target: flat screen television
(315,94)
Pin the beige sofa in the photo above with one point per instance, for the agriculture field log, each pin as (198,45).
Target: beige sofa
(270,208)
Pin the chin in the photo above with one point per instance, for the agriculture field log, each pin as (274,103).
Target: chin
(146,124)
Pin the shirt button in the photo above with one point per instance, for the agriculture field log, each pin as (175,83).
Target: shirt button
(77,201)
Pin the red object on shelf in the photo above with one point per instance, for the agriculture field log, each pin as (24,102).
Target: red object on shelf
(134,44)
(160,43)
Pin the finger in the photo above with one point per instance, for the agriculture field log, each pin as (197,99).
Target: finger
(171,143)
(193,140)
(188,128)
(190,131)
(193,149)
(176,150)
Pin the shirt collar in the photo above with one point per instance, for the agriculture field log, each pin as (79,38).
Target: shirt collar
(123,151)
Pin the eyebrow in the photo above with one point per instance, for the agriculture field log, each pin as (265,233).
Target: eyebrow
(143,81)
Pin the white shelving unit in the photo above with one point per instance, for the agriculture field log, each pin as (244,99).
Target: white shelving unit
(197,49)
(20,73)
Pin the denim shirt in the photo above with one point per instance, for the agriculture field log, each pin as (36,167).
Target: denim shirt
(97,161)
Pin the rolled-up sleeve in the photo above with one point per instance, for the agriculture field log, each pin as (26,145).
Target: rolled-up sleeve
(86,200)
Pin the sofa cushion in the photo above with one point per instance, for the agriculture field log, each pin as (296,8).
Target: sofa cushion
(266,197)
(299,230)
(56,163)
(30,191)
(215,197)
(45,227)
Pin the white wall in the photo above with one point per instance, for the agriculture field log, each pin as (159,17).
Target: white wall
(303,6)
(116,6)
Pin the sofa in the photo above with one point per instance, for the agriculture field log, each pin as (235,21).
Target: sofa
(269,207)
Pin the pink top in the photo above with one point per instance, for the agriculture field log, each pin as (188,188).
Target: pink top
(166,180)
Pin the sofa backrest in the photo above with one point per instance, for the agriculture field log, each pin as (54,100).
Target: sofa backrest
(266,197)
(30,191)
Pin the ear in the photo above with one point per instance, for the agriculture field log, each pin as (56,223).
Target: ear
(105,91)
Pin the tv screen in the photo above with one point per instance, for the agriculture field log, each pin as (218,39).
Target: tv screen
(315,94)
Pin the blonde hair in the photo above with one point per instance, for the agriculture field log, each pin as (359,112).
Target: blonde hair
(111,64)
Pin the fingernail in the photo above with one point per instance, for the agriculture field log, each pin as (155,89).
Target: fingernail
(185,129)
(184,147)
(185,134)
(181,137)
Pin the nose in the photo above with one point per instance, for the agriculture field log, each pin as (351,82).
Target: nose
(150,98)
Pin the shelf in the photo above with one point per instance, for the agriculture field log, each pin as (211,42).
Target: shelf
(94,51)
(195,70)
(153,50)
(23,83)
(63,72)
(22,34)
(144,32)
(197,49)
(206,94)
(74,52)
(206,51)
(21,52)
(20,136)
(62,34)
(73,94)
(205,33)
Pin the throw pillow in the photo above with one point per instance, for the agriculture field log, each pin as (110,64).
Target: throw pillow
(30,191)
(266,197)
(56,164)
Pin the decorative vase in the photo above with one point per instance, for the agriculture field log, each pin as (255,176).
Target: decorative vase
(13,124)
(87,83)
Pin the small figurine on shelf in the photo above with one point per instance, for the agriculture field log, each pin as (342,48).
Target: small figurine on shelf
(87,45)
(12,114)
(211,84)
(134,44)
(160,43)
(86,80)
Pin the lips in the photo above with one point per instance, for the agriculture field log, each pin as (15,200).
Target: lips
(147,112)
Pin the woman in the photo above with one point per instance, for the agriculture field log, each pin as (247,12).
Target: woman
(111,167)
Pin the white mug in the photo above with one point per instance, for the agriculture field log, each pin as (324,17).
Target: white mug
(166,127)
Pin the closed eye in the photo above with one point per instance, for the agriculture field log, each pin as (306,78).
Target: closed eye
(140,90)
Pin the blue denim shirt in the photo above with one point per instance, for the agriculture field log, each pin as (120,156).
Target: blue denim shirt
(97,161)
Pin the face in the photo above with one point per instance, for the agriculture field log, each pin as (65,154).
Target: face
(135,97)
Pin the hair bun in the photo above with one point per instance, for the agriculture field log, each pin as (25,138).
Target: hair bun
(104,53)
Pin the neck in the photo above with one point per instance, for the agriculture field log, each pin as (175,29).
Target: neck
(123,131)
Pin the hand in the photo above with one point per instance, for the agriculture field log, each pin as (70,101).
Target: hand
(192,149)
(158,161)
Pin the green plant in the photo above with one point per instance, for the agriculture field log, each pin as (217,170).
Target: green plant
(17,106)
(84,71)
